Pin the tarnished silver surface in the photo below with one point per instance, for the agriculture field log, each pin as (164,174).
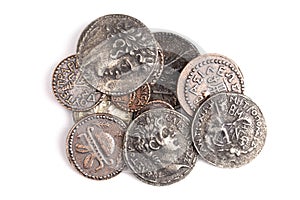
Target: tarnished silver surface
(159,92)
(158,147)
(117,54)
(204,76)
(177,53)
(106,106)
(153,105)
(229,130)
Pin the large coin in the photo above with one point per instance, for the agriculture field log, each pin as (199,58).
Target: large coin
(117,54)
(207,75)
(70,89)
(177,53)
(104,107)
(158,147)
(229,130)
(94,146)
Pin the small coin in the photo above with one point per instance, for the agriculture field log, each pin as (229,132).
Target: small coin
(159,92)
(229,130)
(153,105)
(70,89)
(177,53)
(94,146)
(207,75)
(117,54)
(158,147)
(134,101)
(104,107)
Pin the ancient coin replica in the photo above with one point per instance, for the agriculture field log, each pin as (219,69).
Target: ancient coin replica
(177,53)
(94,146)
(159,92)
(153,105)
(104,107)
(134,101)
(158,147)
(117,54)
(229,130)
(207,75)
(70,89)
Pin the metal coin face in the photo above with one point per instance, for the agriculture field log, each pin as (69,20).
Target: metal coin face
(177,53)
(207,75)
(70,89)
(158,147)
(229,130)
(117,54)
(159,92)
(94,146)
(104,107)
(153,105)
(158,68)
(134,101)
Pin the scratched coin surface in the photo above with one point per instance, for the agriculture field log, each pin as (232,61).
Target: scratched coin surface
(229,130)
(177,53)
(94,146)
(117,54)
(70,89)
(104,107)
(207,75)
(134,101)
(158,147)
(153,105)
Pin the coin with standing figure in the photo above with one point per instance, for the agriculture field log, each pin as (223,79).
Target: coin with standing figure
(204,76)
(70,89)
(117,54)
(229,130)
(158,147)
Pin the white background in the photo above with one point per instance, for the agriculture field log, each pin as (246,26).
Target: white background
(262,37)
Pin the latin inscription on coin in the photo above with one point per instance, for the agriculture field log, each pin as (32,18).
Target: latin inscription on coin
(207,75)
(94,146)
(228,130)
(70,89)
(134,101)
(158,147)
(117,54)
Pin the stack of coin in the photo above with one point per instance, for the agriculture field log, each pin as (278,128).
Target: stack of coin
(151,102)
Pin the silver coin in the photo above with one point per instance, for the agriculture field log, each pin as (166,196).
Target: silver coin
(117,54)
(158,147)
(229,130)
(177,53)
(106,106)
(204,76)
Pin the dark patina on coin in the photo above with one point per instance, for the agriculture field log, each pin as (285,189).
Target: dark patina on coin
(177,53)
(153,105)
(158,147)
(117,54)
(94,146)
(229,130)
(159,92)
(106,106)
(70,89)
(134,101)
(204,76)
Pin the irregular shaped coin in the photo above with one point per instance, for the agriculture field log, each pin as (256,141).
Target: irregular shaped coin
(104,107)
(117,54)
(94,146)
(229,130)
(204,76)
(158,147)
(70,89)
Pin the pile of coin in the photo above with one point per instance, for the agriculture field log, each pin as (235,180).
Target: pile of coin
(150,102)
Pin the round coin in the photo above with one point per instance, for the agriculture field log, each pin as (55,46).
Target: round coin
(134,101)
(70,89)
(117,54)
(229,130)
(177,53)
(158,147)
(94,146)
(204,76)
(153,105)
(104,107)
